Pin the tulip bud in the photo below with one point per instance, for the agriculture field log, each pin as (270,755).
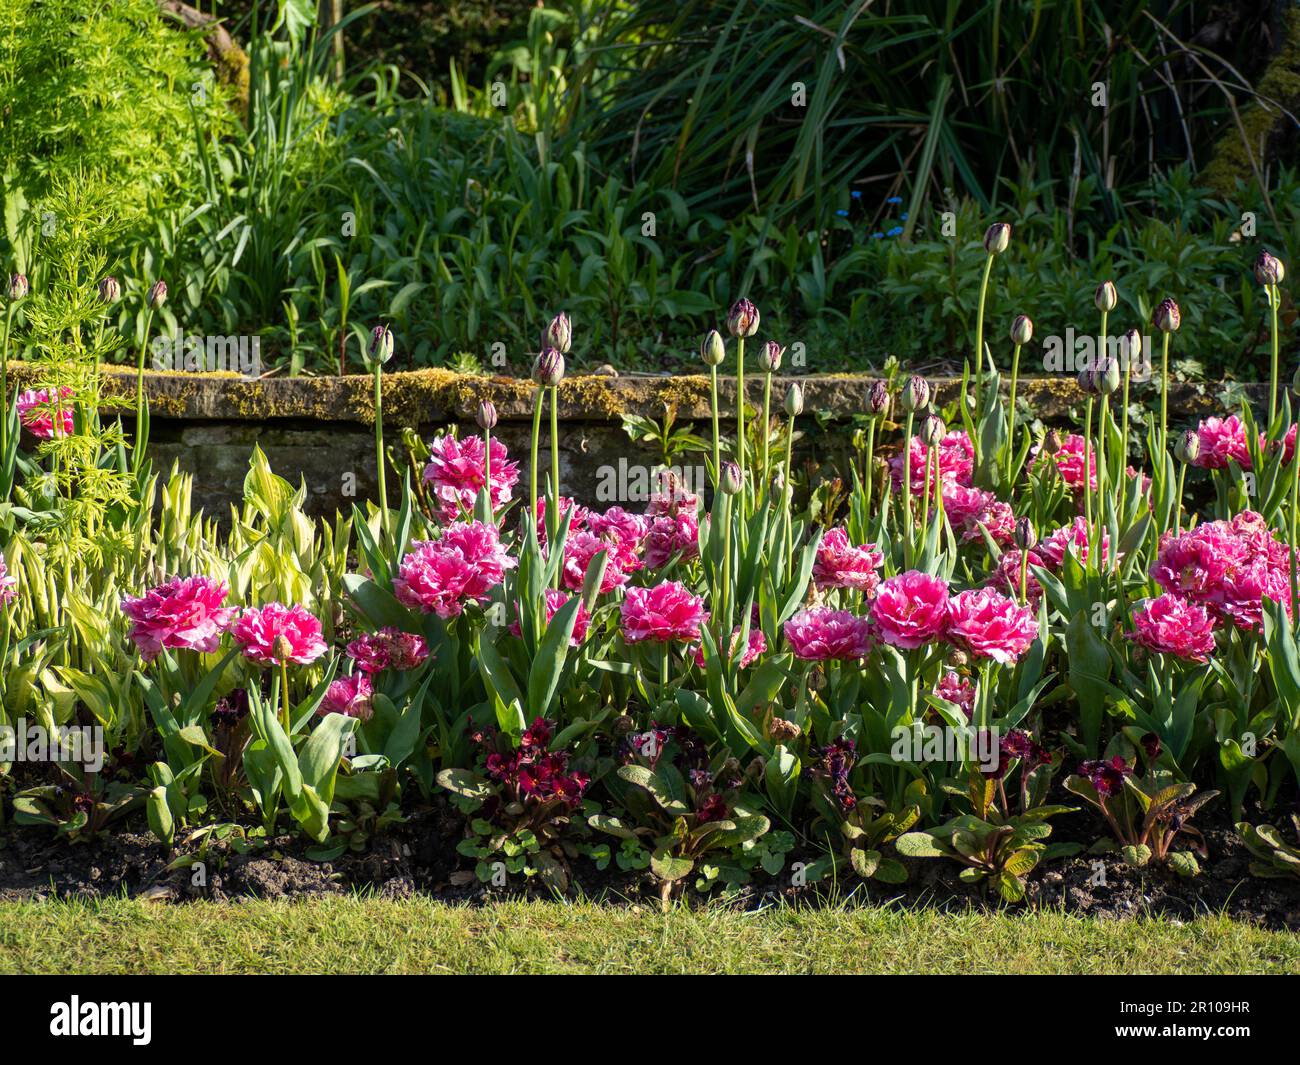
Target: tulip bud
(109,290)
(1131,346)
(769,357)
(1088,381)
(712,349)
(281,648)
(997,237)
(878,399)
(559,334)
(1269,269)
(381,345)
(1022,330)
(933,430)
(1106,298)
(1166,317)
(487,415)
(794,400)
(1188,448)
(18,286)
(1107,376)
(1026,534)
(916,394)
(957,658)
(732,479)
(548,369)
(1052,441)
(157,295)
(742,321)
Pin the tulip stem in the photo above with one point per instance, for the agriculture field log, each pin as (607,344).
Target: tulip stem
(717,445)
(537,432)
(1128,373)
(1024,575)
(871,469)
(1164,398)
(1102,478)
(788,492)
(740,407)
(925,498)
(767,408)
(284,699)
(1273,295)
(979,319)
(907,490)
(1011,412)
(1087,472)
(1295,499)
(380,473)
(554,520)
(141,438)
(1178,501)
(4,379)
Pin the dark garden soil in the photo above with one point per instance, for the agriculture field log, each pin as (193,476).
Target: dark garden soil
(419,857)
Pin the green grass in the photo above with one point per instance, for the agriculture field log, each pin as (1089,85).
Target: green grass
(350,934)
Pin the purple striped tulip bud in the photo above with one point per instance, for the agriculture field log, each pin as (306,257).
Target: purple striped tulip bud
(769,357)
(1188,448)
(878,399)
(548,370)
(1167,317)
(1026,535)
(742,321)
(157,294)
(915,395)
(381,345)
(1022,330)
(794,400)
(933,430)
(109,290)
(18,286)
(732,479)
(1269,269)
(487,415)
(559,334)
(997,237)
(1106,298)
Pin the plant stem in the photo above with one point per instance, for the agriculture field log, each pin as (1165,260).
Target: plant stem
(1087,473)
(284,699)
(1011,412)
(4,379)
(1273,295)
(788,501)
(740,407)
(871,469)
(907,490)
(979,320)
(537,433)
(141,440)
(1178,504)
(717,445)
(767,409)
(1164,399)
(380,474)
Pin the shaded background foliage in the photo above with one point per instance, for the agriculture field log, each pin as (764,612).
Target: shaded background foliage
(473,167)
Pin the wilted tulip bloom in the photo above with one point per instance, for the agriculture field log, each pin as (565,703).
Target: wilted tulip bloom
(732,479)
(1269,269)
(769,357)
(1022,330)
(487,415)
(997,237)
(18,286)
(548,369)
(712,349)
(878,399)
(742,320)
(916,394)
(1188,448)
(157,295)
(381,345)
(794,401)
(1167,317)
(109,290)
(559,334)
(1106,298)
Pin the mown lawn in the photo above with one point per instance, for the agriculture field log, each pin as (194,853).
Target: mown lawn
(367,935)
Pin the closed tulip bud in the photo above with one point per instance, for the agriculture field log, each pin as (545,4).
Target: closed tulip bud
(18,286)
(997,237)
(157,294)
(1188,448)
(1022,330)
(559,334)
(878,399)
(933,430)
(381,345)
(548,370)
(732,479)
(1107,376)
(1131,345)
(794,401)
(1106,298)
(1026,534)
(742,320)
(1052,441)
(109,290)
(1269,269)
(1167,317)
(769,357)
(1088,381)
(712,349)
(915,395)
(281,648)
(487,415)
(957,659)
